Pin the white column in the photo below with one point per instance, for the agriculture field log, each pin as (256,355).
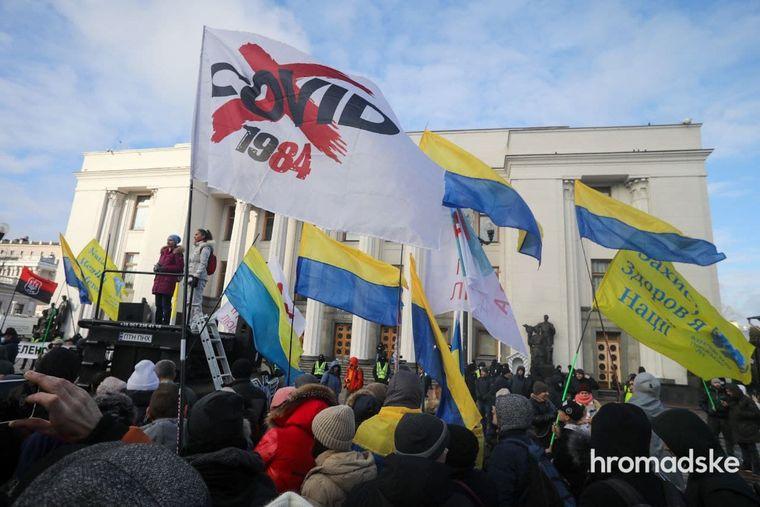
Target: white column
(237,247)
(315,312)
(572,240)
(406,348)
(472,340)
(279,236)
(364,334)
(292,239)
(111,219)
(639,188)
(253,228)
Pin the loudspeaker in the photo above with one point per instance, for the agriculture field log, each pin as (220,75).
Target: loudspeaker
(134,312)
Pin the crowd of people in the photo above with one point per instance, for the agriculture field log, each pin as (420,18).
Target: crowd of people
(334,439)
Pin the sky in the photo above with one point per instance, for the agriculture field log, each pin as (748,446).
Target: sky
(80,76)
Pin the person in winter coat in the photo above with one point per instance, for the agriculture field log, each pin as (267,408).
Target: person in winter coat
(339,469)
(684,432)
(712,403)
(364,404)
(286,447)
(414,474)
(582,379)
(319,367)
(584,396)
(623,430)
(570,453)
(646,396)
(331,378)
(521,384)
(744,417)
(354,376)
(216,448)
(169,261)
(203,248)
(162,414)
(376,433)
(460,458)
(381,371)
(544,413)
(483,393)
(255,400)
(140,387)
(10,343)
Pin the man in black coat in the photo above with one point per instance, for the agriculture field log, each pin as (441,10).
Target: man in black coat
(483,392)
(714,403)
(254,399)
(521,384)
(744,418)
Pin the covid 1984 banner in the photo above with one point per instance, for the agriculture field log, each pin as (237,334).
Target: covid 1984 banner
(657,306)
(279,129)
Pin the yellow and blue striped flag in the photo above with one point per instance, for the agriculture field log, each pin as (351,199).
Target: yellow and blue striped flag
(456,343)
(346,278)
(432,352)
(611,223)
(254,294)
(73,272)
(471,183)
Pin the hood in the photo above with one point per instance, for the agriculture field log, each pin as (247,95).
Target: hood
(346,469)
(648,384)
(353,362)
(176,250)
(651,406)
(682,429)
(301,406)
(404,390)
(229,457)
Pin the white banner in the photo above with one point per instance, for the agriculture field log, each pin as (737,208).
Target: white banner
(444,281)
(278,129)
(299,323)
(31,350)
(226,318)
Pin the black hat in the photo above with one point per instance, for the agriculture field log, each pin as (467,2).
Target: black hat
(682,430)
(421,435)
(463,447)
(59,362)
(215,422)
(621,429)
(242,369)
(573,410)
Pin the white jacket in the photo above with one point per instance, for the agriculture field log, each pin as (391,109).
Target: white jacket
(199,256)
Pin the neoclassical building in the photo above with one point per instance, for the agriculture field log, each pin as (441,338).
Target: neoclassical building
(131,200)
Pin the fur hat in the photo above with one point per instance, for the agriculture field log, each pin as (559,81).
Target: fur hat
(144,377)
(111,385)
(334,427)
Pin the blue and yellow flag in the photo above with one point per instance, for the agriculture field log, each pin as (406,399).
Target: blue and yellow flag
(656,305)
(456,344)
(254,294)
(346,278)
(73,272)
(471,183)
(611,223)
(432,352)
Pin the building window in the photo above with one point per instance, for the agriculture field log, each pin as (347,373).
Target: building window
(222,269)
(267,226)
(602,189)
(598,269)
(130,264)
(350,237)
(484,225)
(18,308)
(229,223)
(141,213)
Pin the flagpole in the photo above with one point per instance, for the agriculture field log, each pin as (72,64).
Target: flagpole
(397,356)
(10,303)
(183,336)
(71,313)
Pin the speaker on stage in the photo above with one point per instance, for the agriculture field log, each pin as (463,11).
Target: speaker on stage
(134,312)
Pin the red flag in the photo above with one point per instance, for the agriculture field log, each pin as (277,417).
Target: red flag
(34,286)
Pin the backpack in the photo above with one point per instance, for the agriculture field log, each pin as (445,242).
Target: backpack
(545,486)
(211,266)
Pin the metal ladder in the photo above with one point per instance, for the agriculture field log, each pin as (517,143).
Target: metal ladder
(215,355)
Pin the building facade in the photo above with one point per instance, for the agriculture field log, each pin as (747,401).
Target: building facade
(132,200)
(39,256)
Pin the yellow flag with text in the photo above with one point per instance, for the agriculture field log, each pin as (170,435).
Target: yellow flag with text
(91,259)
(654,304)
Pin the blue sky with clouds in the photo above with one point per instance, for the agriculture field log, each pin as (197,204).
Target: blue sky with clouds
(85,75)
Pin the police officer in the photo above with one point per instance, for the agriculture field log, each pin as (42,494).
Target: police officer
(320,367)
(381,370)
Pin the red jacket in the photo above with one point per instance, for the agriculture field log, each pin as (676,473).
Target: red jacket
(171,261)
(286,447)
(354,376)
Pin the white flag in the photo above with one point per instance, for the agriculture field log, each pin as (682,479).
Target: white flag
(226,318)
(278,129)
(444,281)
(299,323)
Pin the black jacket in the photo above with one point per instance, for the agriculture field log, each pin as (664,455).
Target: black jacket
(508,466)
(469,482)
(408,481)
(717,395)
(744,418)
(522,385)
(650,487)
(483,389)
(544,415)
(500,382)
(255,405)
(571,456)
(719,490)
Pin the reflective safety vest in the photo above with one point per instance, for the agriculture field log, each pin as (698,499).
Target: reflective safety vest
(320,368)
(381,370)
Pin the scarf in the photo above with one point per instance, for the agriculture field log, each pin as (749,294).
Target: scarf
(584,398)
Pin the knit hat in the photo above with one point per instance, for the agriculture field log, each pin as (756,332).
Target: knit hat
(647,383)
(334,427)
(216,421)
(177,240)
(144,377)
(281,396)
(573,410)
(514,412)
(463,447)
(117,405)
(620,429)
(111,385)
(241,369)
(584,385)
(539,387)
(421,435)
(306,378)
(59,362)
(113,473)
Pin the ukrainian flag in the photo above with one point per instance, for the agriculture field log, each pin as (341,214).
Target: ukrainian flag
(344,277)
(254,294)
(456,344)
(73,272)
(471,183)
(611,223)
(432,352)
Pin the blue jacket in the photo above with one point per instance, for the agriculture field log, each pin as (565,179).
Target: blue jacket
(508,467)
(331,381)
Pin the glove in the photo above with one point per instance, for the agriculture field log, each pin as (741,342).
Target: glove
(193,282)
(156,267)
